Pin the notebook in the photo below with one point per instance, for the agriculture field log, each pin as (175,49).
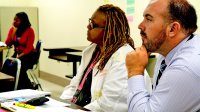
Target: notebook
(24,93)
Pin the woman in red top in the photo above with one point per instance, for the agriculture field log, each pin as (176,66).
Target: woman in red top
(22,36)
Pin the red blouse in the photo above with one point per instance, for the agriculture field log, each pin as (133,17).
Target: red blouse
(26,41)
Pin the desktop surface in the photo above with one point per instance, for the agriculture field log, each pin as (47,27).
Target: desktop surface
(6,77)
(69,54)
(53,103)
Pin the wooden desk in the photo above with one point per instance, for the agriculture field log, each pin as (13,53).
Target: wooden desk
(67,49)
(2,48)
(74,106)
(5,77)
(6,81)
(72,54)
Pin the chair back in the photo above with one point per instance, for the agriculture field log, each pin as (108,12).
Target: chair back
(31,74)
(38,45)
(37,51)
(12,67)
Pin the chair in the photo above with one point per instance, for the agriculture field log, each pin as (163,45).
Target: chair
(31,72)
(12,66)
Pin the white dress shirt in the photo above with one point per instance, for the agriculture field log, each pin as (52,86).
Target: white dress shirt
(178,89)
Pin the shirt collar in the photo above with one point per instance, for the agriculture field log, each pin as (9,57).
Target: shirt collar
(175,50)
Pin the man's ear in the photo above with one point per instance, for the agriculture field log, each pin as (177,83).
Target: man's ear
(173,28)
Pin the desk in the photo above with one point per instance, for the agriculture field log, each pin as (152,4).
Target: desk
(72,106)
(5,77)
(72,54)
(6,81)
(2,48)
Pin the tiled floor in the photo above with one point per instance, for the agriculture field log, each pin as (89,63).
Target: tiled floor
(55,89)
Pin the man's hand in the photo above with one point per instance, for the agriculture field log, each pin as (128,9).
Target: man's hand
(136,61)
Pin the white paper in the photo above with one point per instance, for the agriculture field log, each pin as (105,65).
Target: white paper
(2,44)
(54,103)
(24,93)
(50,106)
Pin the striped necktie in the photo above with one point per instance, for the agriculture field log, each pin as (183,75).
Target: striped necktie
(162,68)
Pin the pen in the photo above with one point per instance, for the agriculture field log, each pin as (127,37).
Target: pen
(24,105)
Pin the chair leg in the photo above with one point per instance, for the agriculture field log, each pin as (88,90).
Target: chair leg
(34,78)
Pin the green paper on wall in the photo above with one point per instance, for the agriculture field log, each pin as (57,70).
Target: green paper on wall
(130,2)
(130,10)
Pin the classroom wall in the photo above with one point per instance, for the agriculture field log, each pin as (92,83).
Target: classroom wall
(67,27)
(62,23)
(75,20)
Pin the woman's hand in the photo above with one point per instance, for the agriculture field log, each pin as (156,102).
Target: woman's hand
(20,55)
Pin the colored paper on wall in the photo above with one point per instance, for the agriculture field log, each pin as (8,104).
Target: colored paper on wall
(130,18)
(106,1)
(130,10)
(130,2)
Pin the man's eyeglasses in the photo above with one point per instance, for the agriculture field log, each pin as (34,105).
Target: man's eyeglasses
(93,25)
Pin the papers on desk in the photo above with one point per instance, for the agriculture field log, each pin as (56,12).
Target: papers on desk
(54,103)
(2,44)
(57,106)
(50,106)
(7,100)
(24,93)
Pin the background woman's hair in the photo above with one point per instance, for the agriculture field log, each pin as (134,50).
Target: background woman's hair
(116,32)
(25,23)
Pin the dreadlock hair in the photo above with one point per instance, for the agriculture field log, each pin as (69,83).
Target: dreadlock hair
(25,23)
(116,32)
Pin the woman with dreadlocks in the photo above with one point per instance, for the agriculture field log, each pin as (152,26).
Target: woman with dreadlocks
(101,80)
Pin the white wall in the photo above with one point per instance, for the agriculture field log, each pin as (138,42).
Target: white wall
(62,23)
(66,25)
